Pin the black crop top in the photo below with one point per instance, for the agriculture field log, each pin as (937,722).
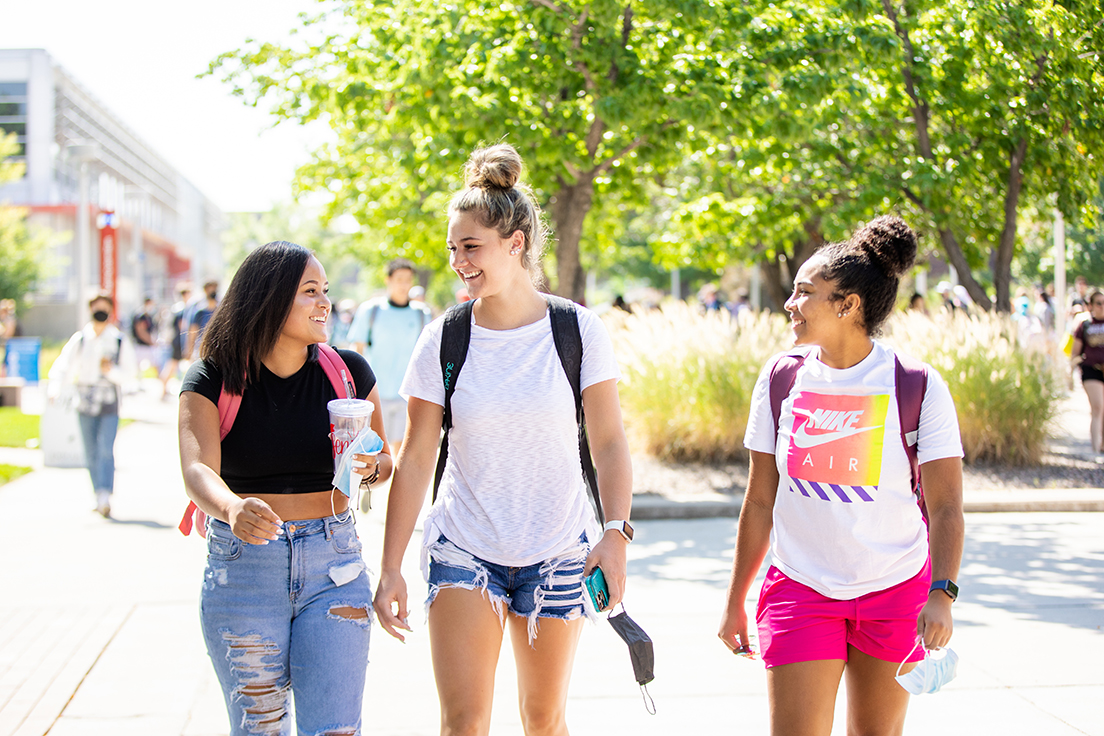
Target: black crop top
(280,439)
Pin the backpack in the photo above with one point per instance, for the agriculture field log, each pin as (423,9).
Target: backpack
(910,385)
(374,310)
(228,405)
(455,336)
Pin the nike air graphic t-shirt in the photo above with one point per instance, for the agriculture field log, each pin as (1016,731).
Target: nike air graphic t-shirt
(846,522)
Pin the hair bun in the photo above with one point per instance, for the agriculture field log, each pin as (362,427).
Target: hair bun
(496,167)
(890,242)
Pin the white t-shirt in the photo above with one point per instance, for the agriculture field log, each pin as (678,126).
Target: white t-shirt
(846,522)
(512,491)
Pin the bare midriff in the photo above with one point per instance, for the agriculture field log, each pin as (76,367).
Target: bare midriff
(291,506)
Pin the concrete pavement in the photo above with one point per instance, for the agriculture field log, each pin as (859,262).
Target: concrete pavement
(100,627)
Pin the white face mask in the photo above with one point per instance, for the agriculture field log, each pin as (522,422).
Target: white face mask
(938,667)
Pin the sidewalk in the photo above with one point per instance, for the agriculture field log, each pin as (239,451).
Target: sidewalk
(100,627)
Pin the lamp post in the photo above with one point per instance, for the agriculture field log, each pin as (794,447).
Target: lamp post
(84,153)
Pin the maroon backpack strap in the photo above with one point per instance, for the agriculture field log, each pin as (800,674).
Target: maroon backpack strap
(783,375)
(911,377)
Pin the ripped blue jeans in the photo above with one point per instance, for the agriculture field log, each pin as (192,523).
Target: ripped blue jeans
(549,589)
(291,616)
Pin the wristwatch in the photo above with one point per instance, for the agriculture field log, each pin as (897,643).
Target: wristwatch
(947,586)
(623,528)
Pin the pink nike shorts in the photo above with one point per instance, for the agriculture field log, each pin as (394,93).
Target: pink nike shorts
(798,624)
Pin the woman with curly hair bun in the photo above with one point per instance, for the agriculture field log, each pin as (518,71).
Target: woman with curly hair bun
(512,534)
(859,585)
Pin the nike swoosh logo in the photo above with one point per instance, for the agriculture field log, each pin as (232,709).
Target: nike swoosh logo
(804,440)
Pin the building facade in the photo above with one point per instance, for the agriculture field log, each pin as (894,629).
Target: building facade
(77,152)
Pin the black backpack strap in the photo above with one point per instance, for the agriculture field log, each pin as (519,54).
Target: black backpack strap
(455,336)
(569,346)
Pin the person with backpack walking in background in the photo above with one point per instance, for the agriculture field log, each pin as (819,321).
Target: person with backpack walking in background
(513,534)
(99,361)
(385,331)
(859,586)
(286,601)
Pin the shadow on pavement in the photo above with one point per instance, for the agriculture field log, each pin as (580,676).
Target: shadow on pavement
(1039,569)
(140,522)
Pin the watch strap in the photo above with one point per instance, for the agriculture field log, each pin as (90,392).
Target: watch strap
(621,526)
(947,586)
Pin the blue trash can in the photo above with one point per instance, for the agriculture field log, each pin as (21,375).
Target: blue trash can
(21,358)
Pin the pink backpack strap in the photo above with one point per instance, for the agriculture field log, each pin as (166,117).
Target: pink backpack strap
(333,365)
(229,404)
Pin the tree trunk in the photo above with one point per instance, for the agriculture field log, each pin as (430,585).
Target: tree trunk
(962,268)
(570,206)
(774,276)
(1002,265)
(779,273)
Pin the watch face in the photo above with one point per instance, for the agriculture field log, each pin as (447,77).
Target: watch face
(628,531)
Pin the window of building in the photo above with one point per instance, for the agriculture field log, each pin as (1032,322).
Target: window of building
(13,112)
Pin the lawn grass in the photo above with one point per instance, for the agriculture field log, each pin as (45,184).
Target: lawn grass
(11,472)
(16,427)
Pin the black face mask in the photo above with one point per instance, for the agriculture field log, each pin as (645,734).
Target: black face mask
(100,315)
(640,651)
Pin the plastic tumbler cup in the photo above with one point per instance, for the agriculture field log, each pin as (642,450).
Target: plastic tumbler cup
(347,418)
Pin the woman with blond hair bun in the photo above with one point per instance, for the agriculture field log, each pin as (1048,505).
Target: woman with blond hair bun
(512,535)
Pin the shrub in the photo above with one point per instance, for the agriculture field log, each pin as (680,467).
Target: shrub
(1005,395)
(688,379)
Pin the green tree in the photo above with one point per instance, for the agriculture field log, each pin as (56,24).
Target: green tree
(956,114)
(22,252)
(594,95)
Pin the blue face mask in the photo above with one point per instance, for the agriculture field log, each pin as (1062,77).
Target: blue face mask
(938,667)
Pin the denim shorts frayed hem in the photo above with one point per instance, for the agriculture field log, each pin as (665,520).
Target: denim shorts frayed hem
(549,589)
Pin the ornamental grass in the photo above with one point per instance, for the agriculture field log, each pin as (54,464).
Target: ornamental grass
(1005,394)
(688,379)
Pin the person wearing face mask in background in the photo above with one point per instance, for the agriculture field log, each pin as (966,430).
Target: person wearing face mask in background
(99,361)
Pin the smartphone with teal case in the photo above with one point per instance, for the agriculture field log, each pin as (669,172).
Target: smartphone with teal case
(595,584)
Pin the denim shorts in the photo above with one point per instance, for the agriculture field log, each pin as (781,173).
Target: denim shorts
(549,589)
(275,621)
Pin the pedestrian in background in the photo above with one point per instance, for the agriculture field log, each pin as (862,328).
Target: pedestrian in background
(340,321)
(508,542)
(200,317)
(850,588)
(1088,353)
(98,362)
(9,328)
(384,331)
(286,601)
(143,328)
(178,337)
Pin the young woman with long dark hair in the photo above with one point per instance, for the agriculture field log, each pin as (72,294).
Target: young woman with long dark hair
(857,580)
(286,600)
